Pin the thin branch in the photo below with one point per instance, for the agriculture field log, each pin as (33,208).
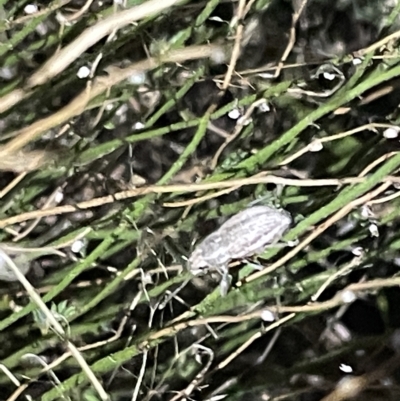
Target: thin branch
(55,325)
(100,84)
(292,37)
(61,60)
(330,138)
(236,47)
(253,338)
(184,188)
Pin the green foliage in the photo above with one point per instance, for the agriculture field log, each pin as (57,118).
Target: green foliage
(127,154)
(62,312)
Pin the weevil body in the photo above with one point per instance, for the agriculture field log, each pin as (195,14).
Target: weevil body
(245,234)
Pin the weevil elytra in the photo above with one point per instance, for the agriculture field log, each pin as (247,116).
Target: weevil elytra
(245,234)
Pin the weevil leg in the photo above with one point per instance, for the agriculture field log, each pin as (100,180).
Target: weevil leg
(270,198)
(222,270)
(226,279)
(254,265)
(225,284)
(259,266)
(168,297)
(266,199)
(276,245)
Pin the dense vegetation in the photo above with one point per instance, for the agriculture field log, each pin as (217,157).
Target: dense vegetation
(133,129)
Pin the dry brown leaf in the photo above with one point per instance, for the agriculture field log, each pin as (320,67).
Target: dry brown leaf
(24,161)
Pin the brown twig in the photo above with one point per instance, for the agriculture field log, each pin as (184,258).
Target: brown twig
(184,188)
(100,85)
(56,64)
(56,326)
(12,184)
(236,47)
(200,199)
(292,38)
(377,45)
(253,338)
(311,146)
(23,20)
(238,129)
(64,57)
(79,13)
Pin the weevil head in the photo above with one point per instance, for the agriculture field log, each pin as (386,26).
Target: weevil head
(286,218)
(197,262)
(285,222)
